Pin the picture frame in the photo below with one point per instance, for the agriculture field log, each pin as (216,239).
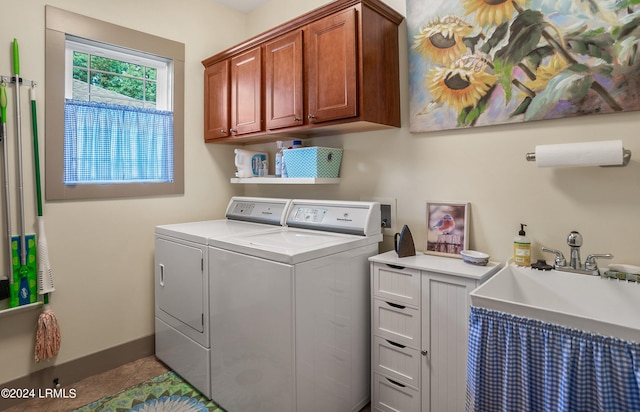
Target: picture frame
(475,63)
(447,228)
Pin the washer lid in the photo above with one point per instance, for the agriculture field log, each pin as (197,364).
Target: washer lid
(292,246)
(200,232)
(244,215)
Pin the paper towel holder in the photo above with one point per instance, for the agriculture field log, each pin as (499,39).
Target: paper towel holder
(626,157)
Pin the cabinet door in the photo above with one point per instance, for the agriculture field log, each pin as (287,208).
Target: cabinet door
(283,72)
(331,45)
(445,318)
(216,101)
(246,92)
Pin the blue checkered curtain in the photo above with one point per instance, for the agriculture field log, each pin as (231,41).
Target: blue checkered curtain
(107,143)
(520,364)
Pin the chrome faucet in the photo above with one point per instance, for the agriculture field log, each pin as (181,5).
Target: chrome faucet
(574,240)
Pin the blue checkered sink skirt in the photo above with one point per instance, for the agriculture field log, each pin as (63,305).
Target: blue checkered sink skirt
(519,364)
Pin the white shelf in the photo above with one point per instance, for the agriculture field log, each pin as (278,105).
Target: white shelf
(271,180)
(9,311)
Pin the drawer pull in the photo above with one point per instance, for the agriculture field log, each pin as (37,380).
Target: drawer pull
(395,344)
(396,383)
(395,266)
(395,305)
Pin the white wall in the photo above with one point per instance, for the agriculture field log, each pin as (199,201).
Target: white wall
(102,251)
(486,166)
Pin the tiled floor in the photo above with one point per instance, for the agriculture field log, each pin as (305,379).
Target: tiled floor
(98,386)
(103,384)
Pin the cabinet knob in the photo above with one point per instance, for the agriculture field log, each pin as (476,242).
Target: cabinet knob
(232,130)
(296,119)
(425,352)
(222,131)
(311,117)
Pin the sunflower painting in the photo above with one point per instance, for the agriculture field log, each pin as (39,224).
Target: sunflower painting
(484,62)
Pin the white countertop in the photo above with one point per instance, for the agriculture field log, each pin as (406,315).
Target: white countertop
(439,264)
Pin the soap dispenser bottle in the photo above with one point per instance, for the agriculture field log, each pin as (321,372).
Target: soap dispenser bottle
(522,248)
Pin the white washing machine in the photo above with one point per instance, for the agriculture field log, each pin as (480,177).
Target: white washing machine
(182,282)
(290,311)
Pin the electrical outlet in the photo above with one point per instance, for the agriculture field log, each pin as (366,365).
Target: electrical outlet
(388,214)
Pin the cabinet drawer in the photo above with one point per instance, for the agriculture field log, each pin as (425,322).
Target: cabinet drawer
(397,285)
(392,396)
(399,362)
(400,324)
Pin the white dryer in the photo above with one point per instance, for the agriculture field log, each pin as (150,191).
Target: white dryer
(182,282)
(290,311)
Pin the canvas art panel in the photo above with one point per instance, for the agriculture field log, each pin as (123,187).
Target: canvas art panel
(447,229)
(485,62)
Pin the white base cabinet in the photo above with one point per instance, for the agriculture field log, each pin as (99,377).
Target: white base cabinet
(420,314)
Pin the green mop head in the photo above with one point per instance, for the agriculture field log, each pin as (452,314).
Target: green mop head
(24,289)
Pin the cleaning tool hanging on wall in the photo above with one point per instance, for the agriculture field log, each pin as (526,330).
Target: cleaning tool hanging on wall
(45,275)
(23,246)
(48,337)
(48,333)
(3,113)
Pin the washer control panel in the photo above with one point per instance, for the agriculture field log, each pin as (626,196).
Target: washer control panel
(357,218)
(258,210)
(308,214)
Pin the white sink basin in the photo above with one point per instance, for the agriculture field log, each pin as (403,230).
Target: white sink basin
(600,305)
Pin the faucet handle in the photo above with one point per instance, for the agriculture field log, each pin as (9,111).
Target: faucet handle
(590,263)
(560,261)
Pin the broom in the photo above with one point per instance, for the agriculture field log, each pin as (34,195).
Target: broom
(3,113)
(48,333)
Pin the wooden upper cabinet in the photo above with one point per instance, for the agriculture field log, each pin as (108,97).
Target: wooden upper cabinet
(283,78)
(331,46)
(246,92)
(333,70)
(216,101)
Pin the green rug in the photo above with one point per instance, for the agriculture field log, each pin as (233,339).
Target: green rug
(167,392)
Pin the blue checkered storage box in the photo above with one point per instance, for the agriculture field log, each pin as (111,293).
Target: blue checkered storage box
(313,162)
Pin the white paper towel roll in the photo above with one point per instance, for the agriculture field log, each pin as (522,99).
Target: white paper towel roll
(601,153)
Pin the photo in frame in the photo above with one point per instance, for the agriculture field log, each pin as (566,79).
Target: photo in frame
(447,228)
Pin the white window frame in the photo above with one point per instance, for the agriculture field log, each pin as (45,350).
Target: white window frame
(61,25)
(163,66)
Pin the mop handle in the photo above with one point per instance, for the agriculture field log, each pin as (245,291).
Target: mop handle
(16,70)
(36,149)
(3,112)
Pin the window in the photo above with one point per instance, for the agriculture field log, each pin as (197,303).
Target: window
(113,130)
(115,114)
(108,74)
